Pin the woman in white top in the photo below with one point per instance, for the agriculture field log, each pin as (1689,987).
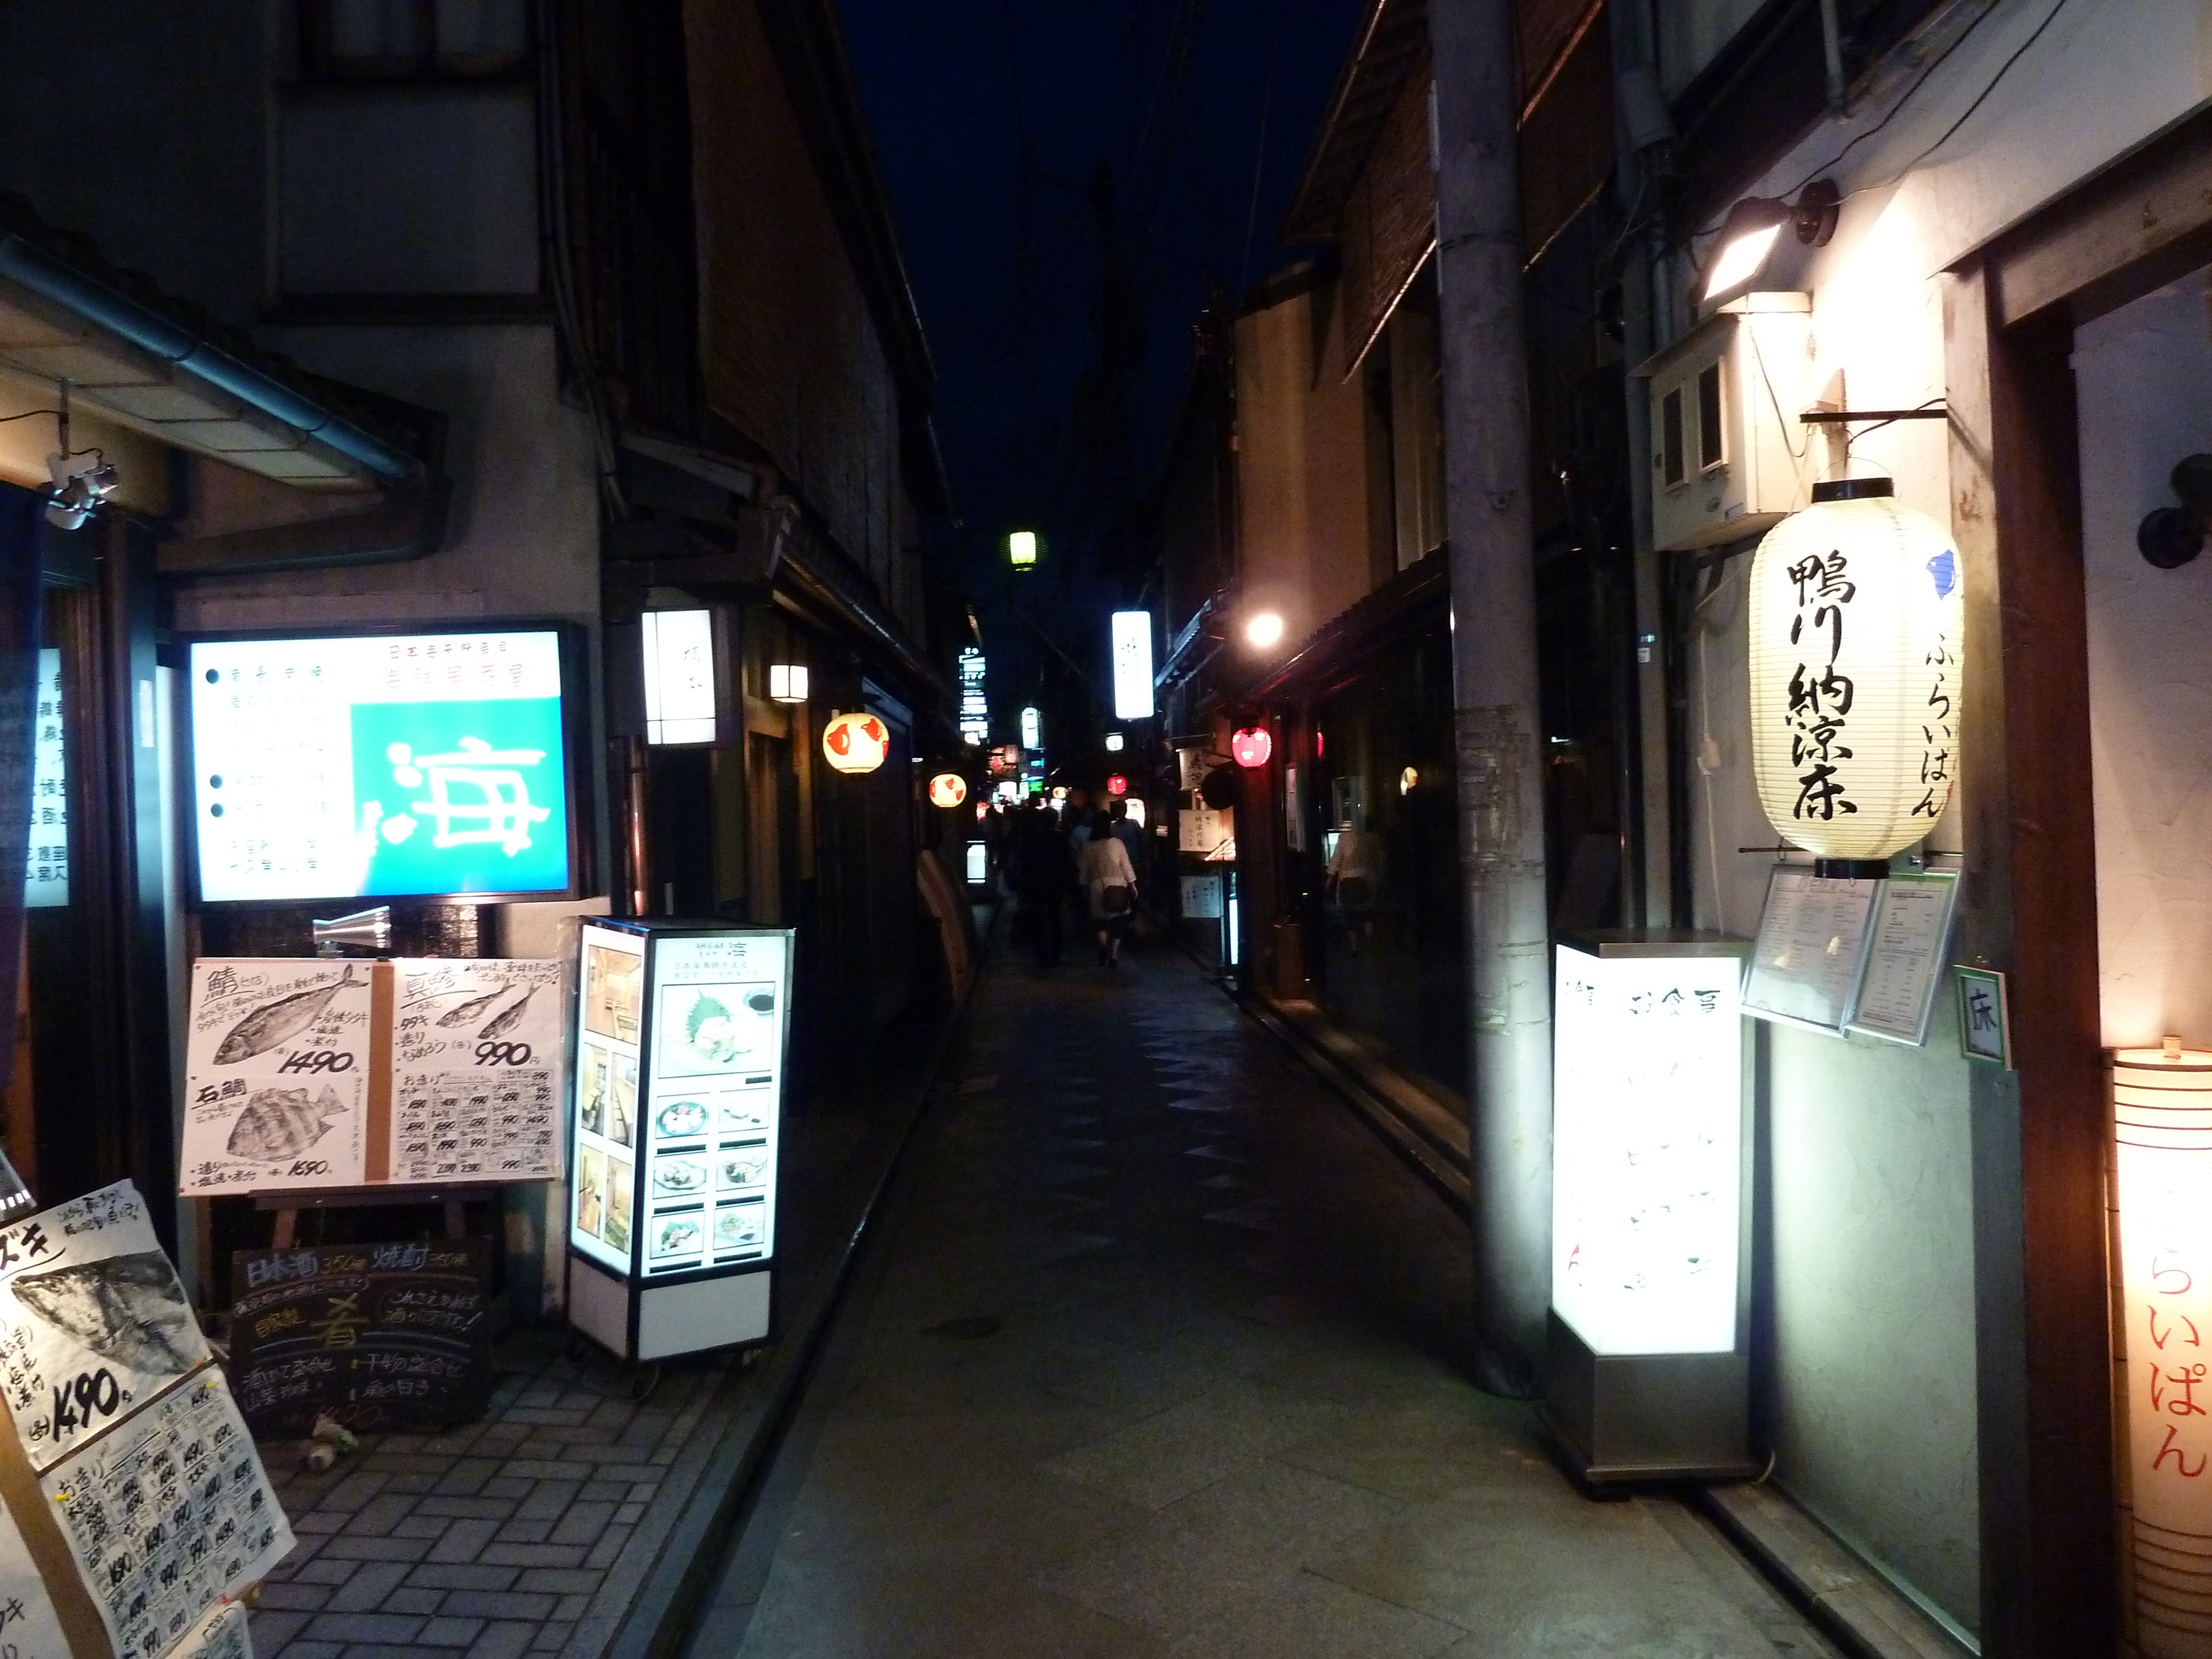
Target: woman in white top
(1109,882)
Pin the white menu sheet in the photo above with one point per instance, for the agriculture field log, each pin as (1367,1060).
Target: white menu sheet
(276,1075)
(1904,962)
(1812,941)
(169,1515)
(477,1068)
(93,1321)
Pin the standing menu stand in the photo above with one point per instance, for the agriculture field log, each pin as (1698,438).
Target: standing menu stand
(1650,1361)
(682,1032)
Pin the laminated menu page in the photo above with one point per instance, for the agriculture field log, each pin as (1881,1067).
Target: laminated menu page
(476,1071)
(279,1063)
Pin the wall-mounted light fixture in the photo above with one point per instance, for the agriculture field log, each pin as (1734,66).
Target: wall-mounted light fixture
(1264,630)
(1022,549)
(1114,741)
(786,682)
(1752,227)
(2170,537)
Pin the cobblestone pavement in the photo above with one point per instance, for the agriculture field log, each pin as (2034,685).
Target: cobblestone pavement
(525,1533)
(1163,1353)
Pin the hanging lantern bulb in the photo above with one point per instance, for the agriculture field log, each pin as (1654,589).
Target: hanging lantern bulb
(1856,623)
(855,743)
(947,789)
(1251,746)
(1117,784)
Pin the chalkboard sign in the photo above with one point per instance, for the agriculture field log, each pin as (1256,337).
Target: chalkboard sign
(380,1336)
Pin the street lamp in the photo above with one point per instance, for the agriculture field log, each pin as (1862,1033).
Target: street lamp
(1264,629)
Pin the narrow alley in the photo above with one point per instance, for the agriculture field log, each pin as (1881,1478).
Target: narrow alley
(1161,1352)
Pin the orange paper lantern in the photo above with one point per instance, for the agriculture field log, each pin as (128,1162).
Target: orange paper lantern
(947,789)
(856,743)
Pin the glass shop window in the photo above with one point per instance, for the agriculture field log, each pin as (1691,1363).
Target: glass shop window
(414,40)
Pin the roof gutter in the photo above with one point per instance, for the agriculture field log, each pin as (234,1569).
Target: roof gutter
(23,262)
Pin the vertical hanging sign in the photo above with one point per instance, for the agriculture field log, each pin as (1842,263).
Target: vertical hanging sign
(1132,664)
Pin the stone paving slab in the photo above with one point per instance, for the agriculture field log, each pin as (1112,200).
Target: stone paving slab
(497,1539)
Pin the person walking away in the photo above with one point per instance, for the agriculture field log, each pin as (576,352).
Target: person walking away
(1131,837)
(1109,882)
(1046,871)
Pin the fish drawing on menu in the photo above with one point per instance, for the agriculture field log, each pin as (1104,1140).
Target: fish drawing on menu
(280,1123)
(475,1006)
(507,1022)
(129,1309)
(271,1023)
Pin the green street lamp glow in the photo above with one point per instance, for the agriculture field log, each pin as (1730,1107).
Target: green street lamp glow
(1022,549)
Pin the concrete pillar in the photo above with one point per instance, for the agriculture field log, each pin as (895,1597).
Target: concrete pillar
(1495,710)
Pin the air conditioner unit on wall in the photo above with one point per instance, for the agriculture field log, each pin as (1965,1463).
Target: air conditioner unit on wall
(1729,456)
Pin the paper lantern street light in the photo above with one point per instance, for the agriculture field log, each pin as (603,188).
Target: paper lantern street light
(947,789)
(1251,746)
(1856,620)
(1117,784)
(856,743)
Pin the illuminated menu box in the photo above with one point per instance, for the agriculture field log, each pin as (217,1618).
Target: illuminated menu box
(1649,1369)
(681,1037)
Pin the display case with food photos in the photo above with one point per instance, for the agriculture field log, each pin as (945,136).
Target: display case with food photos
(681,1033)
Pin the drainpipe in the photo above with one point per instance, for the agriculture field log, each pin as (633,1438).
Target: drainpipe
(1494,690)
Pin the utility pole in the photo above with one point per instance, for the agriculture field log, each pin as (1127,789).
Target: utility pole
(1494,695)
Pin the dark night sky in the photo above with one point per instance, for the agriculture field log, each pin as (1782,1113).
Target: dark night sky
(1007,260)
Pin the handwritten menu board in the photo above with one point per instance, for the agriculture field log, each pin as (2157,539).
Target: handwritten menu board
(381,1336)
(1812,941)
(1904,958)
(169,1514)
(476,1067)
(130,1474)
(277,1063)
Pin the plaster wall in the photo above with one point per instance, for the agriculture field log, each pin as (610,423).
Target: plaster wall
(1301,465)
(523,540)
(2143,376)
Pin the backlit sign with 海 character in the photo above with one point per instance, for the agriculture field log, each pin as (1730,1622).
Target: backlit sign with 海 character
(379,766)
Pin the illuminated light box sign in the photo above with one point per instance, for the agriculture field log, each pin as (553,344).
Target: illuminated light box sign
(46,868)
(678,1108)
(1132,664)
(1647,1213)
(381,766)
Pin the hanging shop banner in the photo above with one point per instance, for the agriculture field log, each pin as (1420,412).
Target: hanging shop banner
(1812,943)
(277,1063)
(476,1061)
(303,1073)
(379,1336)
(46,868)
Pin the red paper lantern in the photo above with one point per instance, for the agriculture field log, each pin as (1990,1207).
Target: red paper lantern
(1117,784)
(1251,746)
(947,789)
(856,743)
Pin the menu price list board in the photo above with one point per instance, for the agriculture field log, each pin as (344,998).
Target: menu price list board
(278,1066)
(1812,943)
(693,1095)
(169,1515)
(130,1471)
(310,1073)
(379,1336)
(477,1067)
(1904,956)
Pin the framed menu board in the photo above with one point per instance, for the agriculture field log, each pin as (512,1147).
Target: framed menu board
(1812,940)
(1904,956)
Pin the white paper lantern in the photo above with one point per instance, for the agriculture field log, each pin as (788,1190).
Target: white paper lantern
(1856,623)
